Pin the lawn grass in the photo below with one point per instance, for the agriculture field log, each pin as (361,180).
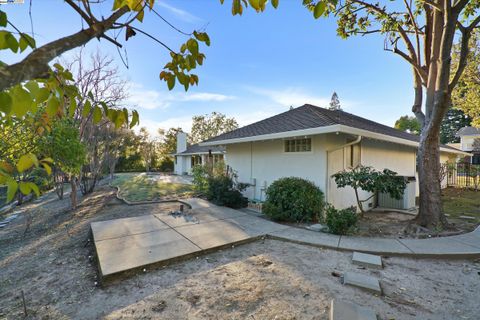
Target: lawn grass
(141,187)
(461,202)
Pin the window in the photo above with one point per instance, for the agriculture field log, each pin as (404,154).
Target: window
(196,160)
(298,145)
(352,156)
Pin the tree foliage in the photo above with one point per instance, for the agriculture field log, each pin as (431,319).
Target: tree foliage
(454,120)
(408,124)
(370,180)
(466,96)
(208,126)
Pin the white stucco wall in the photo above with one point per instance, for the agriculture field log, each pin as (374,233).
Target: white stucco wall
(264,162)
(182,165)
(466,142)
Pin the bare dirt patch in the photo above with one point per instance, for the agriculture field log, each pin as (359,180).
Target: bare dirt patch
(268,279)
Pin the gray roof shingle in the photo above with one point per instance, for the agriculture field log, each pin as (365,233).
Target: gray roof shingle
(195,148)
(468,131)
(309,116)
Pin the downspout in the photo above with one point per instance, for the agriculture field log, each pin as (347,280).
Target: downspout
(356,141)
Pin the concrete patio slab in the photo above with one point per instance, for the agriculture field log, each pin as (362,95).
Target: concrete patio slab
(362,281)
(126,226)
(308,237)
(367,260)
(125,253)
(342,310)
(372,245)
(440,246)
(214,234)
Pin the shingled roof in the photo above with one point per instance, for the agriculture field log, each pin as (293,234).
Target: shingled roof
(197,149)
(468,131)
(309,117)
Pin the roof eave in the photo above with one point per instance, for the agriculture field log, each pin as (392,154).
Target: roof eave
(324,130)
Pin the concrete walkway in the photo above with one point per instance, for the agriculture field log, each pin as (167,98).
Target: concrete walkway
(124,244)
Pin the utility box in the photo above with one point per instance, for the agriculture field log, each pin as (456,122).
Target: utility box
(406,202)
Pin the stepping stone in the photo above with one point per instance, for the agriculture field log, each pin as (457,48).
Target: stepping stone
(468,218)
(362,281)
(341,310)
(367,260)
(317,227)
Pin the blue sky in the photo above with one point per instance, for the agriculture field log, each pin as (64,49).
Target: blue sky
(258,65)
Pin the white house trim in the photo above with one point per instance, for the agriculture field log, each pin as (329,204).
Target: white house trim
(323,130)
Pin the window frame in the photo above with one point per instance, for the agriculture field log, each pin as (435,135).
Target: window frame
(285,141)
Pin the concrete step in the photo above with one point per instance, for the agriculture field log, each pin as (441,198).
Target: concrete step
(342,310)
(362,281)
(367,260)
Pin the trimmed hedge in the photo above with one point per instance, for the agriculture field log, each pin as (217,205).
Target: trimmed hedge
(294,199)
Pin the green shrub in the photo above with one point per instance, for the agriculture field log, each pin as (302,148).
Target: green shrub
(200,178)
(340,221)
(222,191)
(293,199)
(219,185)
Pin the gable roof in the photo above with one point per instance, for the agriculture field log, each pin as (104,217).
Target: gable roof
(198,149)
(468,131)
(309,119)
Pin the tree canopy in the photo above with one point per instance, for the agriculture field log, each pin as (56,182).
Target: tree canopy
(408,124)
(210,125)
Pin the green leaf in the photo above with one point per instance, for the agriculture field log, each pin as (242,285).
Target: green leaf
(171,82)
(47,168)
(5,102)
(32,86)
(42,95)
(21,101)
(11,42)
(192,46)
(72,107)
(86,108)
(24,188)
(202,36)
(12,187)
(34,187)
(3,19)
(26,162)
(135,119)
(52,106)
(28,39)
(97,114)
(275,3)
(319,9)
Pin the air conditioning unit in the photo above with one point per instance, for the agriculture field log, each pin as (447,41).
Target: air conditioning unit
(406,202)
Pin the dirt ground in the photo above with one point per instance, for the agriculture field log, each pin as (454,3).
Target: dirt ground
(54,265)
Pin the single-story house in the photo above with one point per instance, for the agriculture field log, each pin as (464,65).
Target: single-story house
(187,156)
(468,135)
(314,143)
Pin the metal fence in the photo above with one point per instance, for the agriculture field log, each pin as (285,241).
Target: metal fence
(463,175)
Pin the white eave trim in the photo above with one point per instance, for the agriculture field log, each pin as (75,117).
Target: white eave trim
(327,129)
(197,153)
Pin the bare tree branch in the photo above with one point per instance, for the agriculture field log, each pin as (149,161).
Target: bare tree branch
(35,65)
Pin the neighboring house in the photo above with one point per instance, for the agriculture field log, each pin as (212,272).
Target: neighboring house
(189,156)
(467,137)
(314,143)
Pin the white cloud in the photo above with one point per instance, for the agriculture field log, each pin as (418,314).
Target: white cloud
(292,97)
(153,99)
(181,14)
(152,126)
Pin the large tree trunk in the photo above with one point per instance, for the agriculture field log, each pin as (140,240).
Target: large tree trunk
(428,160)
(73,192)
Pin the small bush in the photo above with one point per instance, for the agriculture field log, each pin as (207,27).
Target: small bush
(340,221)
(222,191)
(219,186)
(293,199)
